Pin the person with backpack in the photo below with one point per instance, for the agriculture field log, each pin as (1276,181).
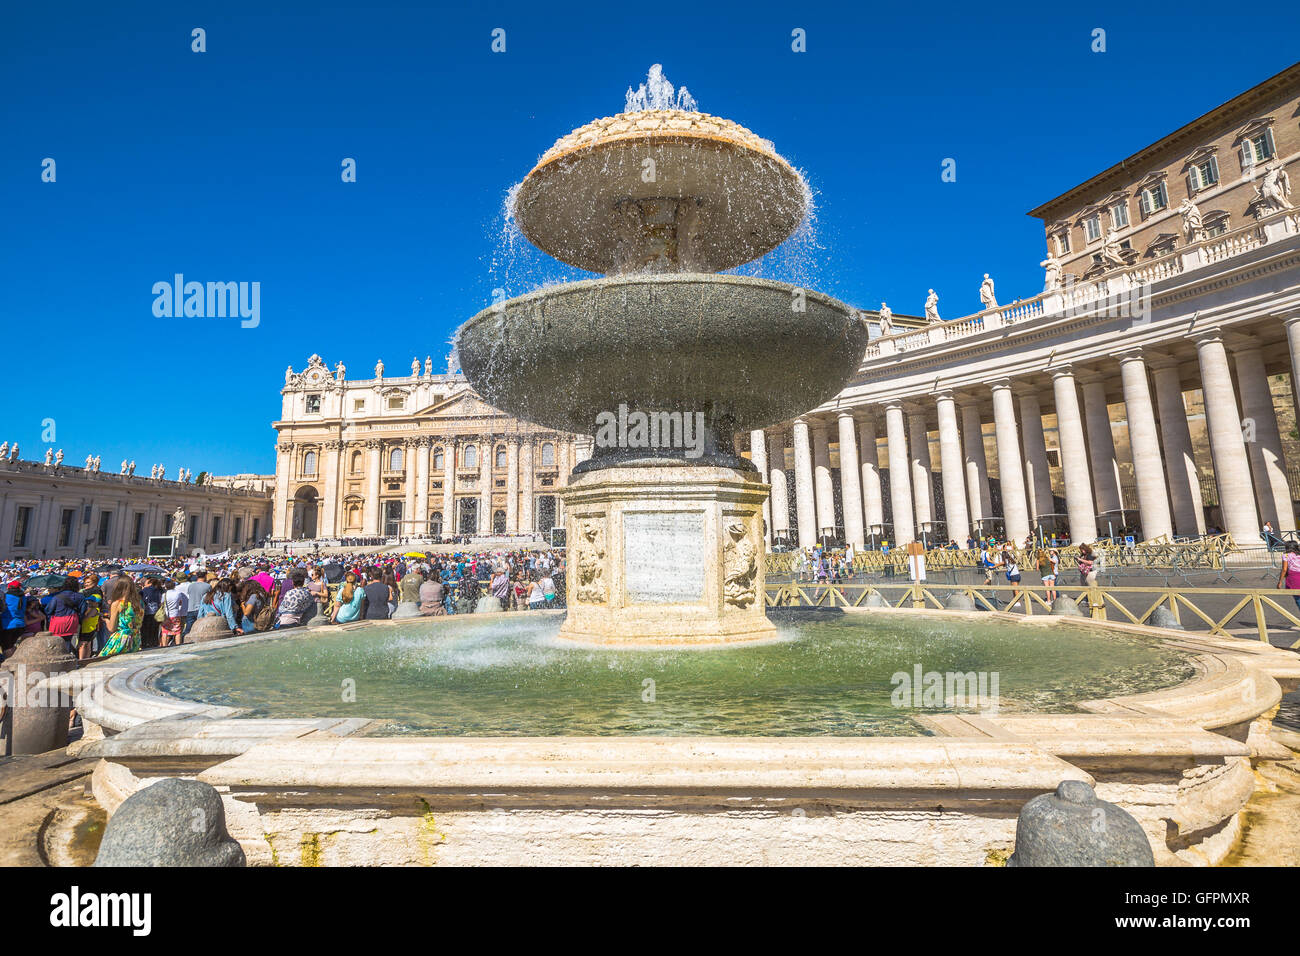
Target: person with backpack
(150,599)
(1049,562)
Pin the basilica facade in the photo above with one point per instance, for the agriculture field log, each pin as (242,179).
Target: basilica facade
(418,455)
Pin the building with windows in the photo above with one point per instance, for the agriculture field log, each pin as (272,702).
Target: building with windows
(420,455)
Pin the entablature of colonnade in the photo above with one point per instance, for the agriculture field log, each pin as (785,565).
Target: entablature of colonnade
(1243,296)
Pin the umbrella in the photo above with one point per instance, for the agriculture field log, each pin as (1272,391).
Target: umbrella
(333,572)
(415,554)
(145,568)
(44,581)
(108,568)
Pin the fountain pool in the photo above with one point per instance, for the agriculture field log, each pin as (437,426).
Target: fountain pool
(831,675)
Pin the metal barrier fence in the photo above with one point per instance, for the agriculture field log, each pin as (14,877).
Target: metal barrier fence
(1131,605)
(1208,553)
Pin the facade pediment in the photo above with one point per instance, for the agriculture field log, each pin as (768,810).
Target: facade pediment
(465,404)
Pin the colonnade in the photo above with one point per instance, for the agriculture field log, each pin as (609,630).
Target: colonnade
(1241,423)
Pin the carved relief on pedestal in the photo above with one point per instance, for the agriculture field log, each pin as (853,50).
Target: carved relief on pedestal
(589,561)
(739,561)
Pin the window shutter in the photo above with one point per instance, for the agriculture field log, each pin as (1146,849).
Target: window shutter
(1144,203)
(1193,180)
(1269,150)
(1247,156)
(1214,170)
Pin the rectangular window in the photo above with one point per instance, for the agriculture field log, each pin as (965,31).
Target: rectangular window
(1092,228)
(1217,228)
(216,529)
(137,528)
(105,522)
(1119,215)
(65,527)
(1062,243)
(1152,200)
(22,526)
(313,404)
(1257,149)
(358,404)
(396,401)
(1204,174)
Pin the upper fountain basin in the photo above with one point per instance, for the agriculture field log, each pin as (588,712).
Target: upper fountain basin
(660,190)
(730,346)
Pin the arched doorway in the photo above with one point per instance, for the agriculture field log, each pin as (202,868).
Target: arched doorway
(306,507)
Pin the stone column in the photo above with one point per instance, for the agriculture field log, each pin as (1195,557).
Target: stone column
(329,505)
(1101,452)
(512,485)
(1038,477)
(780,500)
(280,517)
(487,454)
(450,450)
(804,504)
(873,503)
(758,454)
(1180,462)
(1074,458)
(423,452)
(1291,322)
(956,518)
(370,517)
(1144,444)
(1227,447)
(1015,510)
(977,466)
(823,488)
(900,480)
(411,474)
(850,482)
(918,443)
(526,524)
(1263,443)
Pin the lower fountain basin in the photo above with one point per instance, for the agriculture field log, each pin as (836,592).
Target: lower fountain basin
(828,674)
(745,352)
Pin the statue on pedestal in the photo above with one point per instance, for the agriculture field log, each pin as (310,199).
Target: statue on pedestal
(13,452)
(58,458)
(428,366)
(98,460)
(130,469)
(932,307)
(123,470)
(379,369)
(1052,273)
(49,457)
(415,368)
(886,320)
(4,451)
(153,471)
(986,294)
(1193,227)
(178,523)
(1275,188)
(339,371)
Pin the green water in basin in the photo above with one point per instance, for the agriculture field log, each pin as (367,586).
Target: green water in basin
(511,676)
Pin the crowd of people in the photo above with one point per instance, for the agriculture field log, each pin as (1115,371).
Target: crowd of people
(101,608)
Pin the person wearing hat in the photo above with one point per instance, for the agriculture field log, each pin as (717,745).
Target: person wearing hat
(13,616)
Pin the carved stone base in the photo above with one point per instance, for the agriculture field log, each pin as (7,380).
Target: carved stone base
(665,555)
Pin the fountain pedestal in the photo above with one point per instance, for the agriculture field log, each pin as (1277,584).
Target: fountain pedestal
(665,554)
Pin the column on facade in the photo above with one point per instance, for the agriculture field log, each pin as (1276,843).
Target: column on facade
(758,454)
(1038,477)
(1144,445)
(423,454)
(823,488)
(918,444)
(780,491)
(1079,507)
(526,520)
(370,518)
(1180,462)
(329,503)
(280,517)
(850,481)
(486,456)
(873,505)
(977,466)
(900,480)
(1227,446)
(1291,323)
(449,453)
(1101,452)
(411,477)
(1011,476)
(1263,442)
(804,503)
(951,468)
(512,484)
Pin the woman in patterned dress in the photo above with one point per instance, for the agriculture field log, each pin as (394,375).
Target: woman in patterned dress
(125,617)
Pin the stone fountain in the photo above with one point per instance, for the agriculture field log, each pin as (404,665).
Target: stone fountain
(662,360)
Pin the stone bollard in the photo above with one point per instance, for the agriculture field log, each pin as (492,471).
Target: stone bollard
(35,718)
(1066,607)
(959,602)
(210,628)
(1071,827)
(1163,617)
(173,822)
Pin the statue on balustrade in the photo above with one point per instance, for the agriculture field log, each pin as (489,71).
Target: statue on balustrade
(987,298)
(1193,227)
(886,320)
(1051,267)
(1275,188)
(932,307)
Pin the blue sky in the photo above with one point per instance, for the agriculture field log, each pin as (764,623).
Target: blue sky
(225,166)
